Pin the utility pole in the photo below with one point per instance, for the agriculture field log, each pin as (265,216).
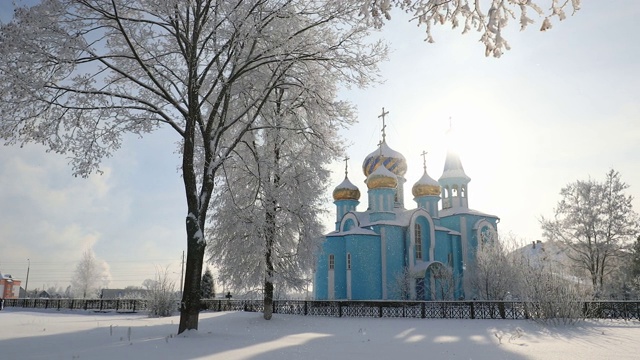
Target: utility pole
(26,283)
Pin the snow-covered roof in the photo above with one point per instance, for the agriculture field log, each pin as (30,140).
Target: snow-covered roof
(453,167)
(461,210)
(346,184)
(402,219)
(353,231)
(427,180)
(5,276)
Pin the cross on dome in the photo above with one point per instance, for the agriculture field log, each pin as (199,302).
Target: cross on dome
(384,113)
(346,164)
(424,160)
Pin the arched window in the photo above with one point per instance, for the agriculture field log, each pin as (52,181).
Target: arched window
(417,235)
(463,191)
(348,261)
(454,190)
(332,262)
(348,225)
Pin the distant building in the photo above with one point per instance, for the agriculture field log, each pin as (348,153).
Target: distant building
(9,287)
(108,294)
(388,252)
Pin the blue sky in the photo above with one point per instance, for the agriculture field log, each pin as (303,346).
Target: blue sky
(560,106)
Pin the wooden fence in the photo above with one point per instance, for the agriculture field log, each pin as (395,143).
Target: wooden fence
(399,309)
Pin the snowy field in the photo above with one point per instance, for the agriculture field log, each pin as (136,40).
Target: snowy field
(237,335)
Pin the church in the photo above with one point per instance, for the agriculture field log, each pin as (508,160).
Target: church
(389,252)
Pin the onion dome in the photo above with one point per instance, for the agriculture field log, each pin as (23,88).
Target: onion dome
(392,160)
(346,191)
(426,186)
(381,177)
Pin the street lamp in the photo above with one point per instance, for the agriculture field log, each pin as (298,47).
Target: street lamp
(26,284)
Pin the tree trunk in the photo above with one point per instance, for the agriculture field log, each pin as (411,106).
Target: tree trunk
(268,299)
(190,304)
(268,278)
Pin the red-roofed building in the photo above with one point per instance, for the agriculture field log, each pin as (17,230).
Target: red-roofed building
(9,287)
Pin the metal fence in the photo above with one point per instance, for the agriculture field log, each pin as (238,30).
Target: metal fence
(392,309)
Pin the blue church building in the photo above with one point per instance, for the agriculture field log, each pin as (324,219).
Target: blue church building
(389,252)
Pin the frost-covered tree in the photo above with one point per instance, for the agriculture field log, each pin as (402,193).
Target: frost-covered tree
(161,296)
(635,258)
(492,276)
(208,288)
(595,220)
(149,284)
(488,17)
(273,188)
(552,295)
(90,276)
(77,75)
(444,281)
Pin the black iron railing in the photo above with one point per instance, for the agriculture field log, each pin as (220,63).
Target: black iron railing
(342,308)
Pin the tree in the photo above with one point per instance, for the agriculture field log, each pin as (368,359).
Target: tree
(149,284)
(633,271)
(493,274)
(90,276)
(635,258)
(489,18)
(274,187)
(208,287)
(552,295)
(595,220)
(77,75)
(161,296)
(444,281)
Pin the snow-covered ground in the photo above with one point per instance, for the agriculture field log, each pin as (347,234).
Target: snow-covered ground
(238,335)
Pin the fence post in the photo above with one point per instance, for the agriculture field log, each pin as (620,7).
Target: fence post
(501,310)
(423,310)
(305,307)
(339,309)
(473,310)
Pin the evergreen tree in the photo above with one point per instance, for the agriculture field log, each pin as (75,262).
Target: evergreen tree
(207,286)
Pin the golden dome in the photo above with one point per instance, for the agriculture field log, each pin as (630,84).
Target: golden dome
(426,186)
(382,178)
(346,191)
(392,160)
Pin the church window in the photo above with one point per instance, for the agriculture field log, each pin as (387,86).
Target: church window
(348,261)
(418,240)
(454,190)
(450,259)
(463,191)
(332,262)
